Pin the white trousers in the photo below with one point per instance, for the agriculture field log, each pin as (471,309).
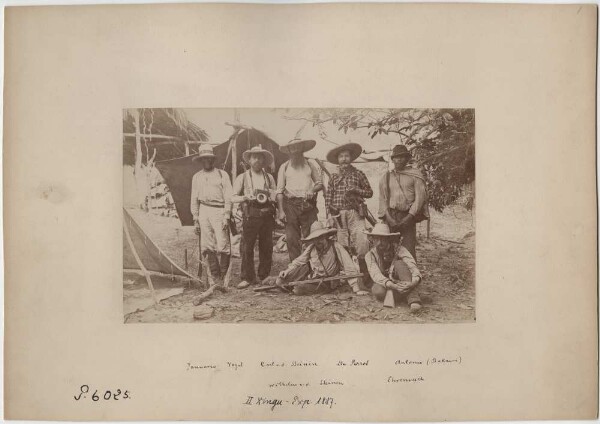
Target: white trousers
(355,225)
(213,237)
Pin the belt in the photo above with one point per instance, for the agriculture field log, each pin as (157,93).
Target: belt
(211,205)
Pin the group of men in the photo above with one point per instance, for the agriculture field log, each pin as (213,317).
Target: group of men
(381,260)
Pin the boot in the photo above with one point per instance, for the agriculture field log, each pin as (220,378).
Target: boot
(224,263)
(365,283)
(213,264)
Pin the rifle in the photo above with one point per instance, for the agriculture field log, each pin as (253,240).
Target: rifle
(288,286)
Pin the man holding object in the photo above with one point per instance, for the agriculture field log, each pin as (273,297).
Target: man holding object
(322,257)
(344,199)
(403,198)
(298,182)
(392,267)
(255,190)
(211,208)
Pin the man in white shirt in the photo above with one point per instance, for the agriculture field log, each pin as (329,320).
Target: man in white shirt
(211,208)
(298,182)
(255,190)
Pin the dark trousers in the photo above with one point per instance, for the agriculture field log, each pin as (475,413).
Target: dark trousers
(402,273)
(254,228)
(409,232)
(299,215)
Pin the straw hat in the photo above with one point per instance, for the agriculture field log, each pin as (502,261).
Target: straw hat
(306,145)
(355,150)
(318,230)
(205,151)
(258,150)
(382,230)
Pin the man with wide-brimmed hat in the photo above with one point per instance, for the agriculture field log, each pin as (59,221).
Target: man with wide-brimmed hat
(211,208)
(403,198)
(255,189)
(322,257)
(298,182)
(392,267)
(344,199)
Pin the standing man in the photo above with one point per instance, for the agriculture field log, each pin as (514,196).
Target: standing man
(344,199)
(403,198)
(211,208)
(392,267)
(256,190)
(298,182)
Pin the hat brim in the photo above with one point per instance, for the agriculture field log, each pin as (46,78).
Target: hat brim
(269,159)
(306,146)
(355,150)
(319,234)
(370,233)
(205,155)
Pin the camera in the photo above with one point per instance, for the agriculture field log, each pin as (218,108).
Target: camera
(262,196)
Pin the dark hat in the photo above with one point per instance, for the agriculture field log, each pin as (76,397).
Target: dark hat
(400,150)
(306,145)
(355,150)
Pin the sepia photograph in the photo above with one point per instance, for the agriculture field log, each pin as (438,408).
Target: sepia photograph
(299,215)
(295,186)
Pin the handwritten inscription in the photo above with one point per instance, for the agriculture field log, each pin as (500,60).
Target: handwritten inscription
(444,361)
(191,367)
(353,363)
(287,384)
(107,395)
(297,401)
(343,363)
(235,365)
(326,382)
(409,370)
(407,362)
(434,360)
(405,380)
(275,364)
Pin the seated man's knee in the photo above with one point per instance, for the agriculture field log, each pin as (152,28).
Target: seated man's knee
(378,291)
(402,271)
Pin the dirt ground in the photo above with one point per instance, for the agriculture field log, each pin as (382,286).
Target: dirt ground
(446,260)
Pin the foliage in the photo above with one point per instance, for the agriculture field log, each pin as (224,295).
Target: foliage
(442,142)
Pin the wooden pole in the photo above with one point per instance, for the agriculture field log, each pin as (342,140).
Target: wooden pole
(428,226)
(139,262)
(233,158)
(185,259)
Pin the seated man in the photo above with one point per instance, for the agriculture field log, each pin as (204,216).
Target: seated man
(392,267)
(322,257)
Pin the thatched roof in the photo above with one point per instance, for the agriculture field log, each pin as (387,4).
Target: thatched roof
(166,130)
